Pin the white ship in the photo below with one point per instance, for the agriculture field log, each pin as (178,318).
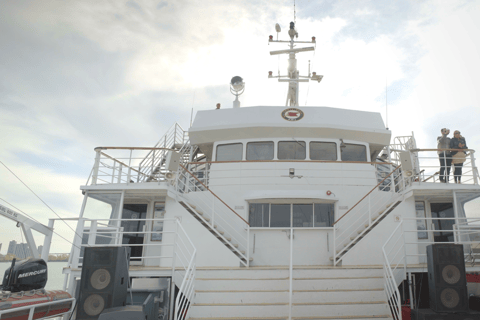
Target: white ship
(276,212)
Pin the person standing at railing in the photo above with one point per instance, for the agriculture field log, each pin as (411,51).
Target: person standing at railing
(443,142)
(458,157)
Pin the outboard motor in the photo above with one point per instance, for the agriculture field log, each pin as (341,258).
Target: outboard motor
(25,275)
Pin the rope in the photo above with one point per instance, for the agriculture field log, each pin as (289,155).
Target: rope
(40,199)
(37,222)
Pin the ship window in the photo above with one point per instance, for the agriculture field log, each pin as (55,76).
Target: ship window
(305,215)
(260,150)
(291,150)
(302,215)
(324,215)
(354,152)
(259,215)
(280,216)
(230,152)
(323,151)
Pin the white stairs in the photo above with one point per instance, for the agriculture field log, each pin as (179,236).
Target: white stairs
(263,293)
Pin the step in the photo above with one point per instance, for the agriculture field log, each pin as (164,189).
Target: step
(381,317)
(239,310)
(281,309)
(277,283)
(337,272)
(282,296)
(354,309)
(242,273)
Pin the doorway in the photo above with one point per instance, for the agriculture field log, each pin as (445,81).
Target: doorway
(443,228)
(137,213)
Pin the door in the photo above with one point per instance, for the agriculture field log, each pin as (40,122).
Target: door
(443,228)
(134,230)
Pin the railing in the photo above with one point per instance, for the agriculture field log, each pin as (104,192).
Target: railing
(31,309)
(403,248)
(394,269)
(357,221)
(124,166)
(427,166)
(214,211)
(173,245)
(152,164)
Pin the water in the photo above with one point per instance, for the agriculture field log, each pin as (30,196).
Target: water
(55,276)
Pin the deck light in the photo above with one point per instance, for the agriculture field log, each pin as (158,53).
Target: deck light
(237,86)
(291,172)
(313,39)
(270,73)
(270,38)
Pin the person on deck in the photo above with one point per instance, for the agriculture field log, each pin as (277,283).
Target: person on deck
(443,143)
(458,157)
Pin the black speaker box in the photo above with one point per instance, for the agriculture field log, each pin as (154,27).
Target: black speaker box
(427,314)
(446,278)
(104,281)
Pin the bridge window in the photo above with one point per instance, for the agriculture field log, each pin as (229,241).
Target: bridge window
(323,151)
(354,152)
(304,215)
(260,150)
(230,152)
(291,150)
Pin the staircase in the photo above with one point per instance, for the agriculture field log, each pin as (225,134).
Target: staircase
(152,167)
(366,214)
(263,293)
(216,231)
(213,213)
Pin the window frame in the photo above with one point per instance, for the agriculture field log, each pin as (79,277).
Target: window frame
(274,150)
(315,141)
(295,141)
(291,203)
(367,156)
(227,144)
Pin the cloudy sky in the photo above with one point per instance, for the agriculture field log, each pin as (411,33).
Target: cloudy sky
(75,75)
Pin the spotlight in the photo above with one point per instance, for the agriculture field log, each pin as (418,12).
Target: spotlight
(237,86)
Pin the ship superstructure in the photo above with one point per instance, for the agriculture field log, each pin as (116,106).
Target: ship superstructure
(276,212)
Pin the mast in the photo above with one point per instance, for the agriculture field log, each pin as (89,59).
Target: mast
(293,76)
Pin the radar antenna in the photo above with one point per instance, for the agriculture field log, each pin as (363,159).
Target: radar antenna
(293,76)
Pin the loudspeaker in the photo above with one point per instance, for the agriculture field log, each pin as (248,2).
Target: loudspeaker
(427,314)
(446,278)
(104,280)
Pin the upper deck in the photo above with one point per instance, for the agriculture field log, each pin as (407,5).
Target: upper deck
(270,122)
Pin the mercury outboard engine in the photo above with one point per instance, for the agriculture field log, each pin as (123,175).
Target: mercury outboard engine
(26,275)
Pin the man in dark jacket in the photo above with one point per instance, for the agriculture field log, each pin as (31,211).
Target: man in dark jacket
(443,142)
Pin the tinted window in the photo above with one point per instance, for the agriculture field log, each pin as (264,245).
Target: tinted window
(324,215)
(280,216)
(303,215)
(354,152)
(323,151)
(259,214)
(260,150)
(230,152)
(291,150)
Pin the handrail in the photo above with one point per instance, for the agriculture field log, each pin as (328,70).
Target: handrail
(374,188)
(416,150)
(213,194)
(39,305)
(123,164)
(131,148)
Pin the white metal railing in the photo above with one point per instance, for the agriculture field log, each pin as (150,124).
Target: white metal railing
(174,245)
(394,269)
(357,221)
(214,212)
(153,163)
(31,309)
(426,163)
(403,248)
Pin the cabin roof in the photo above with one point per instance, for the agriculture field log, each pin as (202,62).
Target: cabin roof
(267,122)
